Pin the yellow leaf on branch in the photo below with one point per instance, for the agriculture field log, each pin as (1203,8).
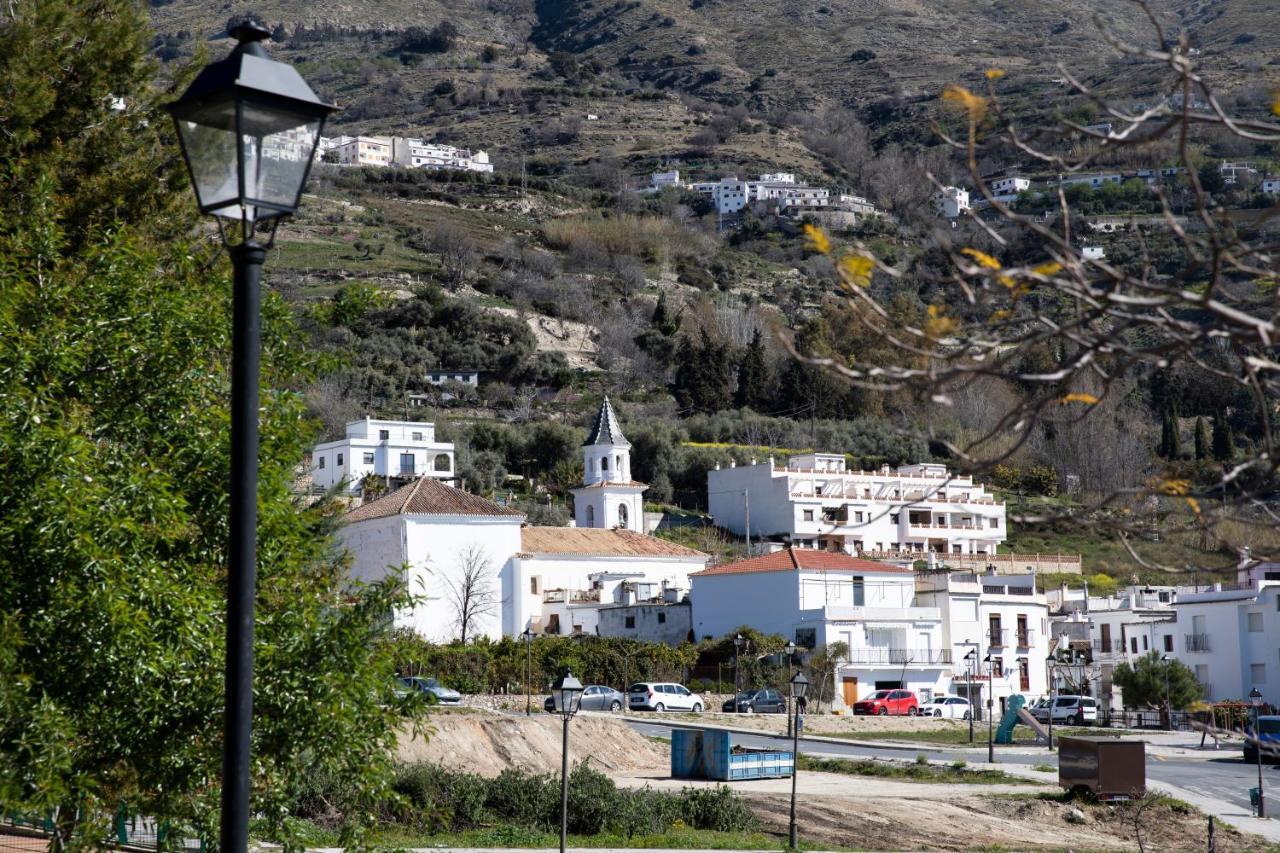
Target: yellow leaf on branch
(982,258)
(818,240)
(959,96)
(994,73)
(1078,397)
(857,269)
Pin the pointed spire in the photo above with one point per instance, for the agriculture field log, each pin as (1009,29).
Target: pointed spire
(605,429)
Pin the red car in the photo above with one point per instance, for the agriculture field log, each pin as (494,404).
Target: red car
(884,702)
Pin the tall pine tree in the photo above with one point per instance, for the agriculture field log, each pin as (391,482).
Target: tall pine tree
(1224,447)
(1203,445)
(755,386)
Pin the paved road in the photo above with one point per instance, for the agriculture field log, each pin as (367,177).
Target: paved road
(1225,776)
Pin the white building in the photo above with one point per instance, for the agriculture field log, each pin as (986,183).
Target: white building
(466,377)
(1003,620)
(952,202)
(1230,637)
(820,597)
(1010,186)
(608,497)
(1091,179)
(431,534)
(814,502)
(561,578)
(731,195)
(1271,185)
(390,449)
(360,150)
(661,180)
(419,154)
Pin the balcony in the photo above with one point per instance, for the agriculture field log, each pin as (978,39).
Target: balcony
(1025,639)
(1109,647)
(998,638)
(1196,642)
(899,657)
(571,596)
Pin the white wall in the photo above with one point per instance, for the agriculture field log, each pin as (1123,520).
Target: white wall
(767,601)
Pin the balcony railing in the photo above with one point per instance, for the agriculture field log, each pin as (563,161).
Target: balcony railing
(570,596)
(1026,639)
(899,657)
(1109,647)
(1196,642)
(998,637)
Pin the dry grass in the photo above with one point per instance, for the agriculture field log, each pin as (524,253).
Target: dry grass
(645,237)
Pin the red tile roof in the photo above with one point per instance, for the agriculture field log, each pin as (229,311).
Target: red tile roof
(599,541)
(809,559)
(427,496)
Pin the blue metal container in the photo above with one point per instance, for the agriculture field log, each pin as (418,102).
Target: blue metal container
(697,754)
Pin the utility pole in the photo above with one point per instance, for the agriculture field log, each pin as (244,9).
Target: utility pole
(746,504)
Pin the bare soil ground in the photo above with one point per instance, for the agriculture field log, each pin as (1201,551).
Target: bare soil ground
(575,340)
(487,744)
(826,723)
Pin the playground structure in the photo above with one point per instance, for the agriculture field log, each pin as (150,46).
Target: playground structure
(1015,712)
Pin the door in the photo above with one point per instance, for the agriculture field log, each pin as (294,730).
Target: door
(683,697)
(591,699)
(1106,638)
(849,690)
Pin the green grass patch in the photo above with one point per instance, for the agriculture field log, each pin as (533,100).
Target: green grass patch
(513,836)
(1044,768)
(916,771)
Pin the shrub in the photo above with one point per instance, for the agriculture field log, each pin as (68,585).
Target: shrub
(441,800)
(718,809)
(592,799)
(523,799)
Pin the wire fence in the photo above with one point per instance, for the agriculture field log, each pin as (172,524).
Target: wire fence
(129,832)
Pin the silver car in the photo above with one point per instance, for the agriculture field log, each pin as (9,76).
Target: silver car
(596,697)
(432,689)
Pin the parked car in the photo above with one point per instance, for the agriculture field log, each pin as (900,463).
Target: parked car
(757,702)
(884,702)
(951,707)
(663,696)
(596,697)
(1071,710)
(434,690)
(1269,735)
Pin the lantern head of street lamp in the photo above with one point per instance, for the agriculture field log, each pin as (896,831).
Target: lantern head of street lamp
(790,649)
(569,691)
(799,685)
(971,654)
(1255,697)
(738,641)
(249,127)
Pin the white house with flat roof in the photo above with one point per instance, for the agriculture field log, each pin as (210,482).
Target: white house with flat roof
(395,450)
(952,202)
(814,501)
(820,597)
(1230,637)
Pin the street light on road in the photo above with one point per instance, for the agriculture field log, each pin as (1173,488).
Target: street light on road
(1053,696)
(799,687)
(568,692)
(249,127)
(971,656)
(738,643)
(991,743)
(528,671)
(790,651)
(1255,699)
(1168,709)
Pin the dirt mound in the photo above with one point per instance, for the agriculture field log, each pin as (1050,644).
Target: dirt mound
(490,743)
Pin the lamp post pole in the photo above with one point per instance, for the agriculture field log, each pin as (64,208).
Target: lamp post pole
(789,650)
(738,642)
(1053,700)
(969,658)
(799,686)
(528,672)
(991,743)
(569,691)
(249,127)
(1255,697)
(1168,708)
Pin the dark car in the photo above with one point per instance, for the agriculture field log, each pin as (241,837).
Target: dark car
(434,690)
(596,697)
(757,702)
(1268,737)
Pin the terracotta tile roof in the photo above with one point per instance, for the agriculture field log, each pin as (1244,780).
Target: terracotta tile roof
(810,559)
(599,541)
(427,496)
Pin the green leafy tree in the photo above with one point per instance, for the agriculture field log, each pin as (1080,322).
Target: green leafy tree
(114,344)
(704,379)
(1152,683)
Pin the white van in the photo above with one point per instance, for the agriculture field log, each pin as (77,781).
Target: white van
(1069,710)
(663,696)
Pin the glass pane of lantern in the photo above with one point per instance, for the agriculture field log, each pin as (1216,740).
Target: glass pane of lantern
(277,148)
(211,157)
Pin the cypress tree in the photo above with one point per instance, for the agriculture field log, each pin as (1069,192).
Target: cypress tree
(1202,438)
(1166,439)
(663,319)
(1175,436)
(753,376)
(1224,447)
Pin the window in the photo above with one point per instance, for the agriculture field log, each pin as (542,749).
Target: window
(339,460)
(859,593)
(604,463)
(662,618)
(997,668)
(807,514)
(1255,620)
(1144,643)
(417,436)
(384,434)
(631,621)
(893,518)
(1133,645)
(533,586)
(1168,642)
(320,465)
(1258,673)
(623,521)
(442,462)
(406,463)
(995,524)
(858,517)
(368,459)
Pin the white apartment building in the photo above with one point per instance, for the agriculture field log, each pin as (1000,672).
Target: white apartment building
(952,202)
(1230,637)
(391,449)
(820,597)
(815,502)
(660,180)
(360,150)
(466,377)
(1271,185)
(1092,179)
(997,630)
(778,178)
(561,578)
(1010,186)
(608,497)
(418,154)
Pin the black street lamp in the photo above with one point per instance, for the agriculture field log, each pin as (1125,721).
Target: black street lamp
(1255,699)
(249,127)
(1168,708)
(528,671)
(1053,696)
(991,683)
(568,690)
(799,687)
(971,656)
(790,651)
(738,643)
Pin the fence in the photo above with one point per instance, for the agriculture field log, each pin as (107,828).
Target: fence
(25,833)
